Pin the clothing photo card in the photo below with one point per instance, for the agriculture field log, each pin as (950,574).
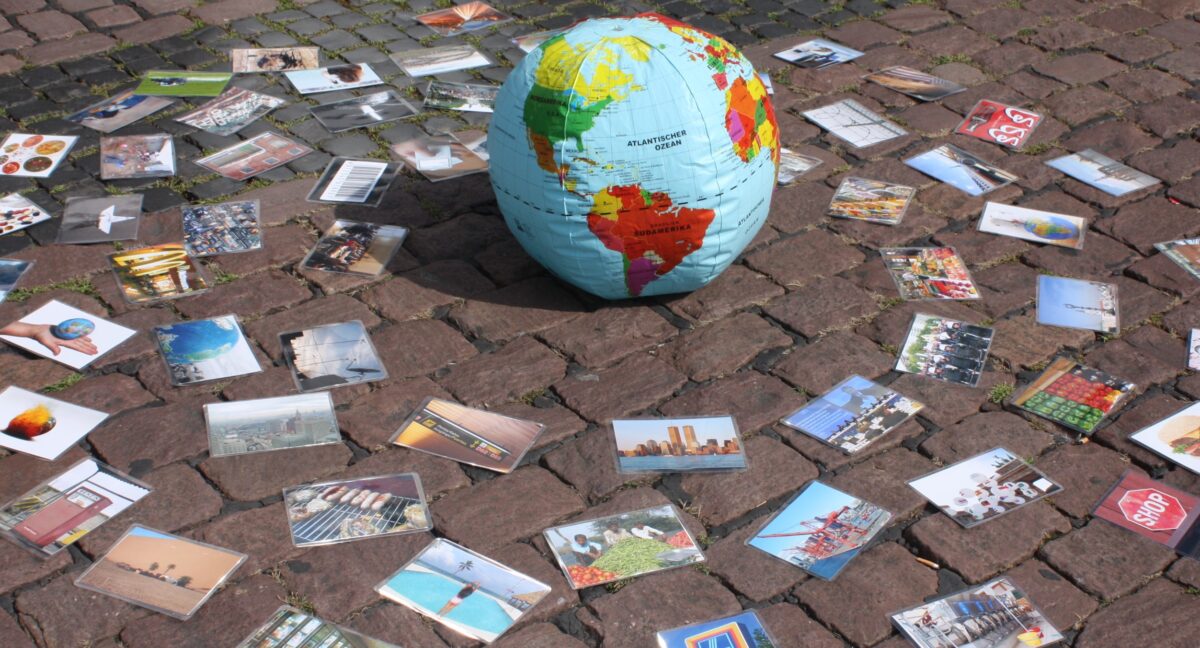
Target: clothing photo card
(334,77)
(100,220)
(985,486)
(18,212)
(1176,438)
(183,83)
(1033,225)
(1102,172)
(360,182)
(853,414)
(26,155)
(158,272)
(266,424)
(1154,510)
(359,112)
(466,17)
(137,156)
(858,125)
(428,61)
(254,156)
(961,170)
(792,165)
(225,228)
(229,113)
(658,445)
(41,426)
(929,273)
(467,435)
(871,200)
(465,97)
(915,83)
(289,627)
(743,630)
(992,121)
(945,349)
(354,509)
(818,53)
(1074,396)
(997,613)
(204,350)
(273,59)
(65,334)
(333,355)
(11,271)
(439,157)
(1185,252)
(1077,303)
(119,110)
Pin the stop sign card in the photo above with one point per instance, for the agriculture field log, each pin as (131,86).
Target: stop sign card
(999,123)
(1155,510)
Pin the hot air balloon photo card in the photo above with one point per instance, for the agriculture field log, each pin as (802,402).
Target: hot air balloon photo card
(745,630)
(354,509)
(65,334)
(983,487)
(1074,396)
(1033,225)
(1176,438)
(158,272)
(333,355)
(999,605)
(1154,510)
(468,435)
(100,220)
(204,350)
(42,426)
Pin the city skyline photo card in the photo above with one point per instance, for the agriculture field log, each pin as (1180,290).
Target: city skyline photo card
(232,111)
(265,424)
(697,444)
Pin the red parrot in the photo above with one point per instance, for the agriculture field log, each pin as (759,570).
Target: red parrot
(31,423)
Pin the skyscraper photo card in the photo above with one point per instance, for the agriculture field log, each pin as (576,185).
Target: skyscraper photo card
(658,445)
(266,424)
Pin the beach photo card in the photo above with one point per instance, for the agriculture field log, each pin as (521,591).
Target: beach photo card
(11,271)
(100,220)
(853,414)
(945,349)
(158,272)
(744,630)
(439,157)
(44,427)
(119,110)
(961,170)
(18,212)
(229,113)
(273,59)
(204,350)
(998,612)
(356,248)
(256,155)
(853,122)
(354,509)
(467,592)
(929,273)
(361,182)
(137,156)
(462,18)
(871,200)
(613,547)
(992,121)
(820,530)
(1176,438)
(1033,225)
(333,355)
(697,444)
(1074,396)
(915,83)
(1102,172)
(334,77)
(183,83)
(289,627)
(224,228)
(60,511)
(1077,303)
(1185,252)
(427,61)
(467,435)
(792,165)
(265,424)
(26,155)
(359,112)
(161,572)
(818,53)
(985,486)
(1154,510)
(65,334)
(465,97)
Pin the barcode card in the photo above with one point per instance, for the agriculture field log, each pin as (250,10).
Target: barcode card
(354,181)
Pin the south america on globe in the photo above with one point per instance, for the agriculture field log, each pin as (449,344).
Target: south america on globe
(634,156)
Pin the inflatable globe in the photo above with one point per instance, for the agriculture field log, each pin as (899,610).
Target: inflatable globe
(72,329)
(634,156)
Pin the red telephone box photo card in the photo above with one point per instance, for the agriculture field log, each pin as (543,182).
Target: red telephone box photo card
(999,123)
(1154,510)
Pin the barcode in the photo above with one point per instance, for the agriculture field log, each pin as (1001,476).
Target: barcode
(354,181)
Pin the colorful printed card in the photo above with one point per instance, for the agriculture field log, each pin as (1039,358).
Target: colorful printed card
(25,155)
(929,273)
(467,435)
(1033,225)
(273,59)
(698,444)
(292,628)
(229,113)
(961,170)
(984,487)
(915,83)
(65,334)
(1076,303)
(331,355)
(871,200)
(1073,395)
(1177,437)
(121,109)
(355,248)
(18,212)
(354,509)
(998,123)
(945,349)
(793,165)
(743,630)
(466,17)
(1185,252)
(818,53)
(254,156)
(928,625)
(853,414)
(100,220)
(137,156)
(42,426)
(158,272)
(203,350)
(1103,172)
(1154,510)
(266,424)
(183,83)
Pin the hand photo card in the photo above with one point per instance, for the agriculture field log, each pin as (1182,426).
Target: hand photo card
(853,414)
(467,435)
(462,18)
(820,530)
(203,350)
(985,486)
(25,155)
(439,157)
(334,77)
(427,61)
(466,97)
(613,547)
(1154,510)
(225,228)
(161,572)
(265,424)
(818,53)
(273,59)
(871,200)
(915,83)
(353,509)
(18,212)
(659,445)
(1185,252)
(1074,396)
(44,427)
(855,123)
(744,630)
(65,334)
(229,113)
(289,627)
(1176,438)
(11,271)
(945,349)
(355,248)
(1033,225)
(62,510)
(359,112)
(961,170)
(1000,607)
(119,110)
(183,83)
(929,273)
(100,220)
(467,592)
(259,154)
(158,272)
(137,156)
(361,182)
(1077,303)
(1102,172)
(333,355)
(992,121)
(792,165)
(529,42)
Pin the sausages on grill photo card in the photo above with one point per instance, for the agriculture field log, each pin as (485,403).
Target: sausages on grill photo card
(353,509)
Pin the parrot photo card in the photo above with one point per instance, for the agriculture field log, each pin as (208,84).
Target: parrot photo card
(41,426)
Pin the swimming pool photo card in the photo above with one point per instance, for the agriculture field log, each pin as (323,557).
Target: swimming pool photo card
(100,220)
(468,435)
(1176,438)
(204,350)
(354,509)
(65,334)
(289,627)
(853,414)
(1102,172)
(1074,396)
(990,609)
(1154,510)
(983,487)
(41,426)
(1077,303)
(465,591)
(1033,225)
(697,444)
(331,355)
(744,630)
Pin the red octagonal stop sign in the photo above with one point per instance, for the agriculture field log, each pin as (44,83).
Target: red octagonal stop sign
(1152,509)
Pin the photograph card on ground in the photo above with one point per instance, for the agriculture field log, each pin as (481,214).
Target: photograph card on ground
(1154,510)
(273,59)
(929,273)
(203,350)
(1176,437)
(1074,396)
(426,61)
(1033,225)
(961,170)
(997,613)
(353,509)
(466,97)
(818,53)
(992,121)
(158,272)
(334,77)
(121,109)
(466,17)
(465,591)
(613,547)
(792,165)
(475,141)
(229,113)
(820,530)
(915,83)
(65,334)
(855,123)
(161,572)
(333,355)
(26,155)
(361,182)
(289,627)
(529,42)
(18,212)
(225,228)
(254,156)
(62,510)
(744,630)
(468,435)
(41,426)
(100,220)
(359,112)
(183,83)
(945,349)
(1185,252)
(11,271)
(871,200)
(1102,172)
(1077,303)
(137,156)
(1193,359)
(265,424)
(985,486)
(439,157)
(697,444)
(355,248)
(853,414)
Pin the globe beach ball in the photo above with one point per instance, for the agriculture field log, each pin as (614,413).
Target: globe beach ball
(73,328)
(634,156)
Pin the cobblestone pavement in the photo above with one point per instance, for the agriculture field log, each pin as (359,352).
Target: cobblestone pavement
(465,314)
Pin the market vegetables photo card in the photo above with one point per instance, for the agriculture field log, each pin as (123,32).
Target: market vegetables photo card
(998,609)
(1176,438)
(332,355)
(744,630)
(65,334)
(929,273)
(42,426)
(945,349)
(853,414)
(203,350)
(265,424)
(1033,225)
(1074,396)
(658,445)
(468,435)
(353,509)
(985,486)
(1077,303)
(1154,510)
(289,627)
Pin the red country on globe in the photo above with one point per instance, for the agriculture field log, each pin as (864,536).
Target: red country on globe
(1152,509)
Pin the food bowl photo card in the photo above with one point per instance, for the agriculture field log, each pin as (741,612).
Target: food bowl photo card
(41,426)
(28,155)
(65,334)
(18,212)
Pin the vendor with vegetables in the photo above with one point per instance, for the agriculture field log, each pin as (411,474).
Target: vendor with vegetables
(614,534)
(585,550)
(646,532)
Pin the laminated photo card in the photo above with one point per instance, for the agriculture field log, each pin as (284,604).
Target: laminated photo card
(853,414)
(361,182)
(229,113)
(65,334)
(1074,396)
(273,59)
(119,110)
(915,83)
(871,200)
(1102,172)
(183,83)
(358,112)
(427,61)
(11,271)
(353,509)
(257,155)
(26,155)
(1077,303)
(18,212)
(265,424)
(1154,510)
(224,228)
(333,355)
(996,613)
(1176,438)
(1033,225)
(855,123)
(334,77)
(1185,252)
(462,18)
(945,349)
(41,426)
(998,123)
(100,220)
(699,444)
(743,630)
(985,486)
(929,273)
(818,53)
(792,165)
(292,628)
(961,170)
(203,350)
(468,435)
(137,156)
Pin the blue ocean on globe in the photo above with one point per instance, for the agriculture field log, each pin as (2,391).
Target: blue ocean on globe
(73,329)
(191,342)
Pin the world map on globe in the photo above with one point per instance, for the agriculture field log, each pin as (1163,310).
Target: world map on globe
(634,156)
